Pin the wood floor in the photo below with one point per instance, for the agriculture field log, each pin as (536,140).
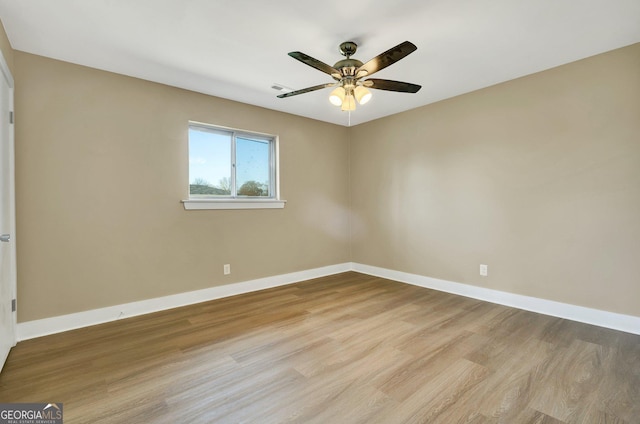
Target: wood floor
(348,348)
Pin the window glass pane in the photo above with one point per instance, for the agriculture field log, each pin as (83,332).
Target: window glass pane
(209,163)
(252,167)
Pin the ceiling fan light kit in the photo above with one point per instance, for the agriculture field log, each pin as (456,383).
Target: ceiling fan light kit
(349,73)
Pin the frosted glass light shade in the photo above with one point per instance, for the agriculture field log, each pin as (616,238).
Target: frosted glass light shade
(337,96)
(363,95)
(349,103)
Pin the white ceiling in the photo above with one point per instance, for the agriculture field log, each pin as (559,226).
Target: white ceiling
(237,49)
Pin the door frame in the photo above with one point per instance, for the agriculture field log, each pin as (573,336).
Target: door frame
(6,74)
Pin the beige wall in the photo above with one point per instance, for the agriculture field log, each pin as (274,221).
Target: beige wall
(102,166)
(538,177)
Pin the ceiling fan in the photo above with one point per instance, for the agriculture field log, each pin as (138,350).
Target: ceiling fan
(350,75)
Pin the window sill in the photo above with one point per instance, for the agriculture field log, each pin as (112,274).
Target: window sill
(204,204)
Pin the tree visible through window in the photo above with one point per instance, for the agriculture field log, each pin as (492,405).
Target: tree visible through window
(230,164)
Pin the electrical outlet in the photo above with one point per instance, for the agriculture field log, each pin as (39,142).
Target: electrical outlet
(484,270)
(227,269)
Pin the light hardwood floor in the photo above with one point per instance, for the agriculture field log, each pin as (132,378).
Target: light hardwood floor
(349,348)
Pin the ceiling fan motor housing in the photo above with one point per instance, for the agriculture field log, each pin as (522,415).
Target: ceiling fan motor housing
(348,67)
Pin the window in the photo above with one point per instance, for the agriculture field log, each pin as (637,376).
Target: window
(231,169)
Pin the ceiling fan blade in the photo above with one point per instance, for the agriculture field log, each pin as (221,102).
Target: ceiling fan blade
(389,85)
(315,63)
(306,90)
(387,58)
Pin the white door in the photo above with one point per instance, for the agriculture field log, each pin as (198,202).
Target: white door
(7,216)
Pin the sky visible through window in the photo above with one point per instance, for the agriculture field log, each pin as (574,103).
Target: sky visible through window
(210,158)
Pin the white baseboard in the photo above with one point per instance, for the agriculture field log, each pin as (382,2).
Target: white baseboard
(626,323)
(42,327)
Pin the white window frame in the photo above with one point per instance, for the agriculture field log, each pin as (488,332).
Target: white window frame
(241,202)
